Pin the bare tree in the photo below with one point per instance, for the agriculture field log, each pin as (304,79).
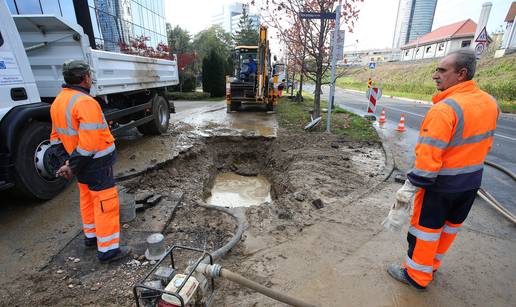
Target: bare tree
(312,35)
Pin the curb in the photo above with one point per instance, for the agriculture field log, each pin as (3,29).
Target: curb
(393,97)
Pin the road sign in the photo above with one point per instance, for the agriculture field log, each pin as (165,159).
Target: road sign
(373,95)
(479,49)
(369,83)
(372,65)
(482,36)
(317,15)
(339,53)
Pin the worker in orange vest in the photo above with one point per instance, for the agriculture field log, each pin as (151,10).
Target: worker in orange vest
(455,137)
(80,133)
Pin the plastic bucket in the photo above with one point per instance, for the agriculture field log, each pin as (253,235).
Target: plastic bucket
(127,207)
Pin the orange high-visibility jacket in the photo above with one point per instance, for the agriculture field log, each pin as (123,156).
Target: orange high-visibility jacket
(454,139)
(79,124)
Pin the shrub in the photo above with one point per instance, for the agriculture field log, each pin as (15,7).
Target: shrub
(213,80)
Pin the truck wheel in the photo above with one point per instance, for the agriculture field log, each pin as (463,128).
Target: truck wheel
(161,118)
(32,177)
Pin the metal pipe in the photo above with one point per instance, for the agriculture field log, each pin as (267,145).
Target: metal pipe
(217,271)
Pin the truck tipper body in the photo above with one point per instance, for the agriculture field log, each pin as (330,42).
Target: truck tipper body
(130,89)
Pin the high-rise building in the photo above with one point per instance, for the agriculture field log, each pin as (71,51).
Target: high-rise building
(108,23)
(414,18)
(229,17)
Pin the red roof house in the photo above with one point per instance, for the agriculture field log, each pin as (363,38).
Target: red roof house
(461,29)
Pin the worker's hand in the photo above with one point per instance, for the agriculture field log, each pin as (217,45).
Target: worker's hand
(406,193)
(65,171)
(398,216)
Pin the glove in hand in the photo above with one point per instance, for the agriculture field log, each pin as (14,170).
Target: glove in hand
(406,193)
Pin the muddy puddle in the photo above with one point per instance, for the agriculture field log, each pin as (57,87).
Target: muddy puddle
(233,190)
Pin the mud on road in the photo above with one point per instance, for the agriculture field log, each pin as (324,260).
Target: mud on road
(309,174)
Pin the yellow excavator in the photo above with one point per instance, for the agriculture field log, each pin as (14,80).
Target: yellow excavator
(253,81)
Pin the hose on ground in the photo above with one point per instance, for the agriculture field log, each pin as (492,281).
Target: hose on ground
(236,237)
(501,168)
(217,271)
(496,205)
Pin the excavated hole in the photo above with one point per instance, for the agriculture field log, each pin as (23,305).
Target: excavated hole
(231,190)
(241,164)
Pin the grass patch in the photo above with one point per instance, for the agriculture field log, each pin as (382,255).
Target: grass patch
(192,96)
(413,80)
(295,116)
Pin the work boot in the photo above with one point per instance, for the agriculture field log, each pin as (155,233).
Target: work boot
(399,273)
(114,254)
(90,242)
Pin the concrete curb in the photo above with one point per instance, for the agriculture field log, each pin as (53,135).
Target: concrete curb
(393,97)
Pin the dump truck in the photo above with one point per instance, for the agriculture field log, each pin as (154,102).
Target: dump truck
(256,88)
(130,89)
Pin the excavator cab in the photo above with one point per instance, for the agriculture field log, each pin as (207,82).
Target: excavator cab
(245,63)
(252,81)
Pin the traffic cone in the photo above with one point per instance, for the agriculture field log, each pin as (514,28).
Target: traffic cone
(401,124)
(382,117)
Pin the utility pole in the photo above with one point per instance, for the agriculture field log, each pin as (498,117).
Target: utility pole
(333,64)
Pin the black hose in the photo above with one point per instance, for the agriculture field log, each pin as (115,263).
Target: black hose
(236,237)
(501,168)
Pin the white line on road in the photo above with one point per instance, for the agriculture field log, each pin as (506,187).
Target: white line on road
(405,112)
(504,136)
(496,134)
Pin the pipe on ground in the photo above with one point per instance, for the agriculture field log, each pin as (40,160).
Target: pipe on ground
(217,271)
(238,234)
(496,205)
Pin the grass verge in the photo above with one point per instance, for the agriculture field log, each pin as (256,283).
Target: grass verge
(294,116)
(413,80)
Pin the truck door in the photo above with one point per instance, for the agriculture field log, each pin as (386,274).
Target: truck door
(17,85)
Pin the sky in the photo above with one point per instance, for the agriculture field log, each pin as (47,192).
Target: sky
(374,28)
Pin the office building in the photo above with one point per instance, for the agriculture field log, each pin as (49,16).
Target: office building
(229,17)
(108,23)
(414,18)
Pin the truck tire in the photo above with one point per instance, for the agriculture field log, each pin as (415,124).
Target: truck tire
(160,120)
(32,179)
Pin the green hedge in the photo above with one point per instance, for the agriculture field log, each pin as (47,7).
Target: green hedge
(188,95)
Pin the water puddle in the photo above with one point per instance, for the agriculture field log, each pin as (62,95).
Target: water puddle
(232,190)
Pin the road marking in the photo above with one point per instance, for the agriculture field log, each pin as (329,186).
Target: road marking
(504,136)
(405,112)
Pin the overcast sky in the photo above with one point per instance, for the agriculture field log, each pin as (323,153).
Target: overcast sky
(375,26)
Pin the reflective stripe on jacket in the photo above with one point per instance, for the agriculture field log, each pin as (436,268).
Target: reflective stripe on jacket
(79,124)
(454,139)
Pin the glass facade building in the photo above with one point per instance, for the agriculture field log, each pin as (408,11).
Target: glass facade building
(108,23)
(414,19)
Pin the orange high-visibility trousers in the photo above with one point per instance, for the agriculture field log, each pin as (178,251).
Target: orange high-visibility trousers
(107,219)
(87,211)
(100,216)
(435,222)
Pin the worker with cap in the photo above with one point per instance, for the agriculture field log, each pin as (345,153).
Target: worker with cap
(81,133)
(454,139)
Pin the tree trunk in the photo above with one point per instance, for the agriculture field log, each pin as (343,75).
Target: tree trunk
(317,94)
(299,97)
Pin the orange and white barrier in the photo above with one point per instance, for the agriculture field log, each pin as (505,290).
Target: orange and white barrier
(382,117)
(401,124)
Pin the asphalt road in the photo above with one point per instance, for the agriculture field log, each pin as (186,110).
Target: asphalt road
(502,152)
